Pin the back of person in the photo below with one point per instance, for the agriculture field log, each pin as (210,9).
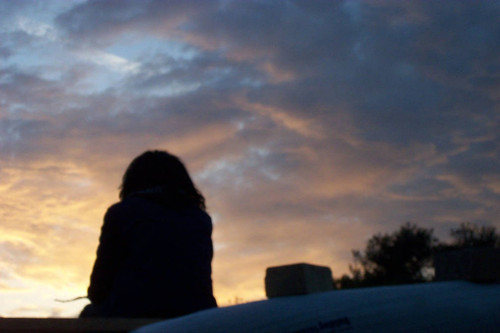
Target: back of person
(166,261)
(153,260)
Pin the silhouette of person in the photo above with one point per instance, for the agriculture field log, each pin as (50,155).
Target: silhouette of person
(155,249)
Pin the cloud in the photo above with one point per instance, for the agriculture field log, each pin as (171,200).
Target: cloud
(111,61)
(309,126)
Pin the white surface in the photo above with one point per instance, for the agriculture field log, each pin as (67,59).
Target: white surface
(432,307)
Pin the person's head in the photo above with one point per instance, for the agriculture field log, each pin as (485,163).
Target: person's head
(160,173)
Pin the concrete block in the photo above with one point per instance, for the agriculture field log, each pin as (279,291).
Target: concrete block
(477,265)
(297,279)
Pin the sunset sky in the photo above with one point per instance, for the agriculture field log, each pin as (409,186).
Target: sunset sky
(309,126)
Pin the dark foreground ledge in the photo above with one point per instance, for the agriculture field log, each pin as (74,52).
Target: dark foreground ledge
(70,325)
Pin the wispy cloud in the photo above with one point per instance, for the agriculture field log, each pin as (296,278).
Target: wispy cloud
(110,61)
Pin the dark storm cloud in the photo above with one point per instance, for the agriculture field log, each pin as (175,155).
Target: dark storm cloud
(398,73)
(100,21)
(404,68)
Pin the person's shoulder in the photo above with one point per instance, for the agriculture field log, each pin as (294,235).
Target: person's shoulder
(206,217)
(123,208)
(114,212)
(201,216)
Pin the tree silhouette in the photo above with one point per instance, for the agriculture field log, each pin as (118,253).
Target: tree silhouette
(404,256)
(469,235)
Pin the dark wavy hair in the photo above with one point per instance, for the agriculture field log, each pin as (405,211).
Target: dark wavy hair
(161,176)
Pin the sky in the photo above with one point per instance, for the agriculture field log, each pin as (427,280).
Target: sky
(309,126)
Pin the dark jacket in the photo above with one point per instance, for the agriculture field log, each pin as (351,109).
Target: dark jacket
(152,261)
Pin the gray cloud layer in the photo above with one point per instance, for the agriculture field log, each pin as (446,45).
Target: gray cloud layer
(309,125)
